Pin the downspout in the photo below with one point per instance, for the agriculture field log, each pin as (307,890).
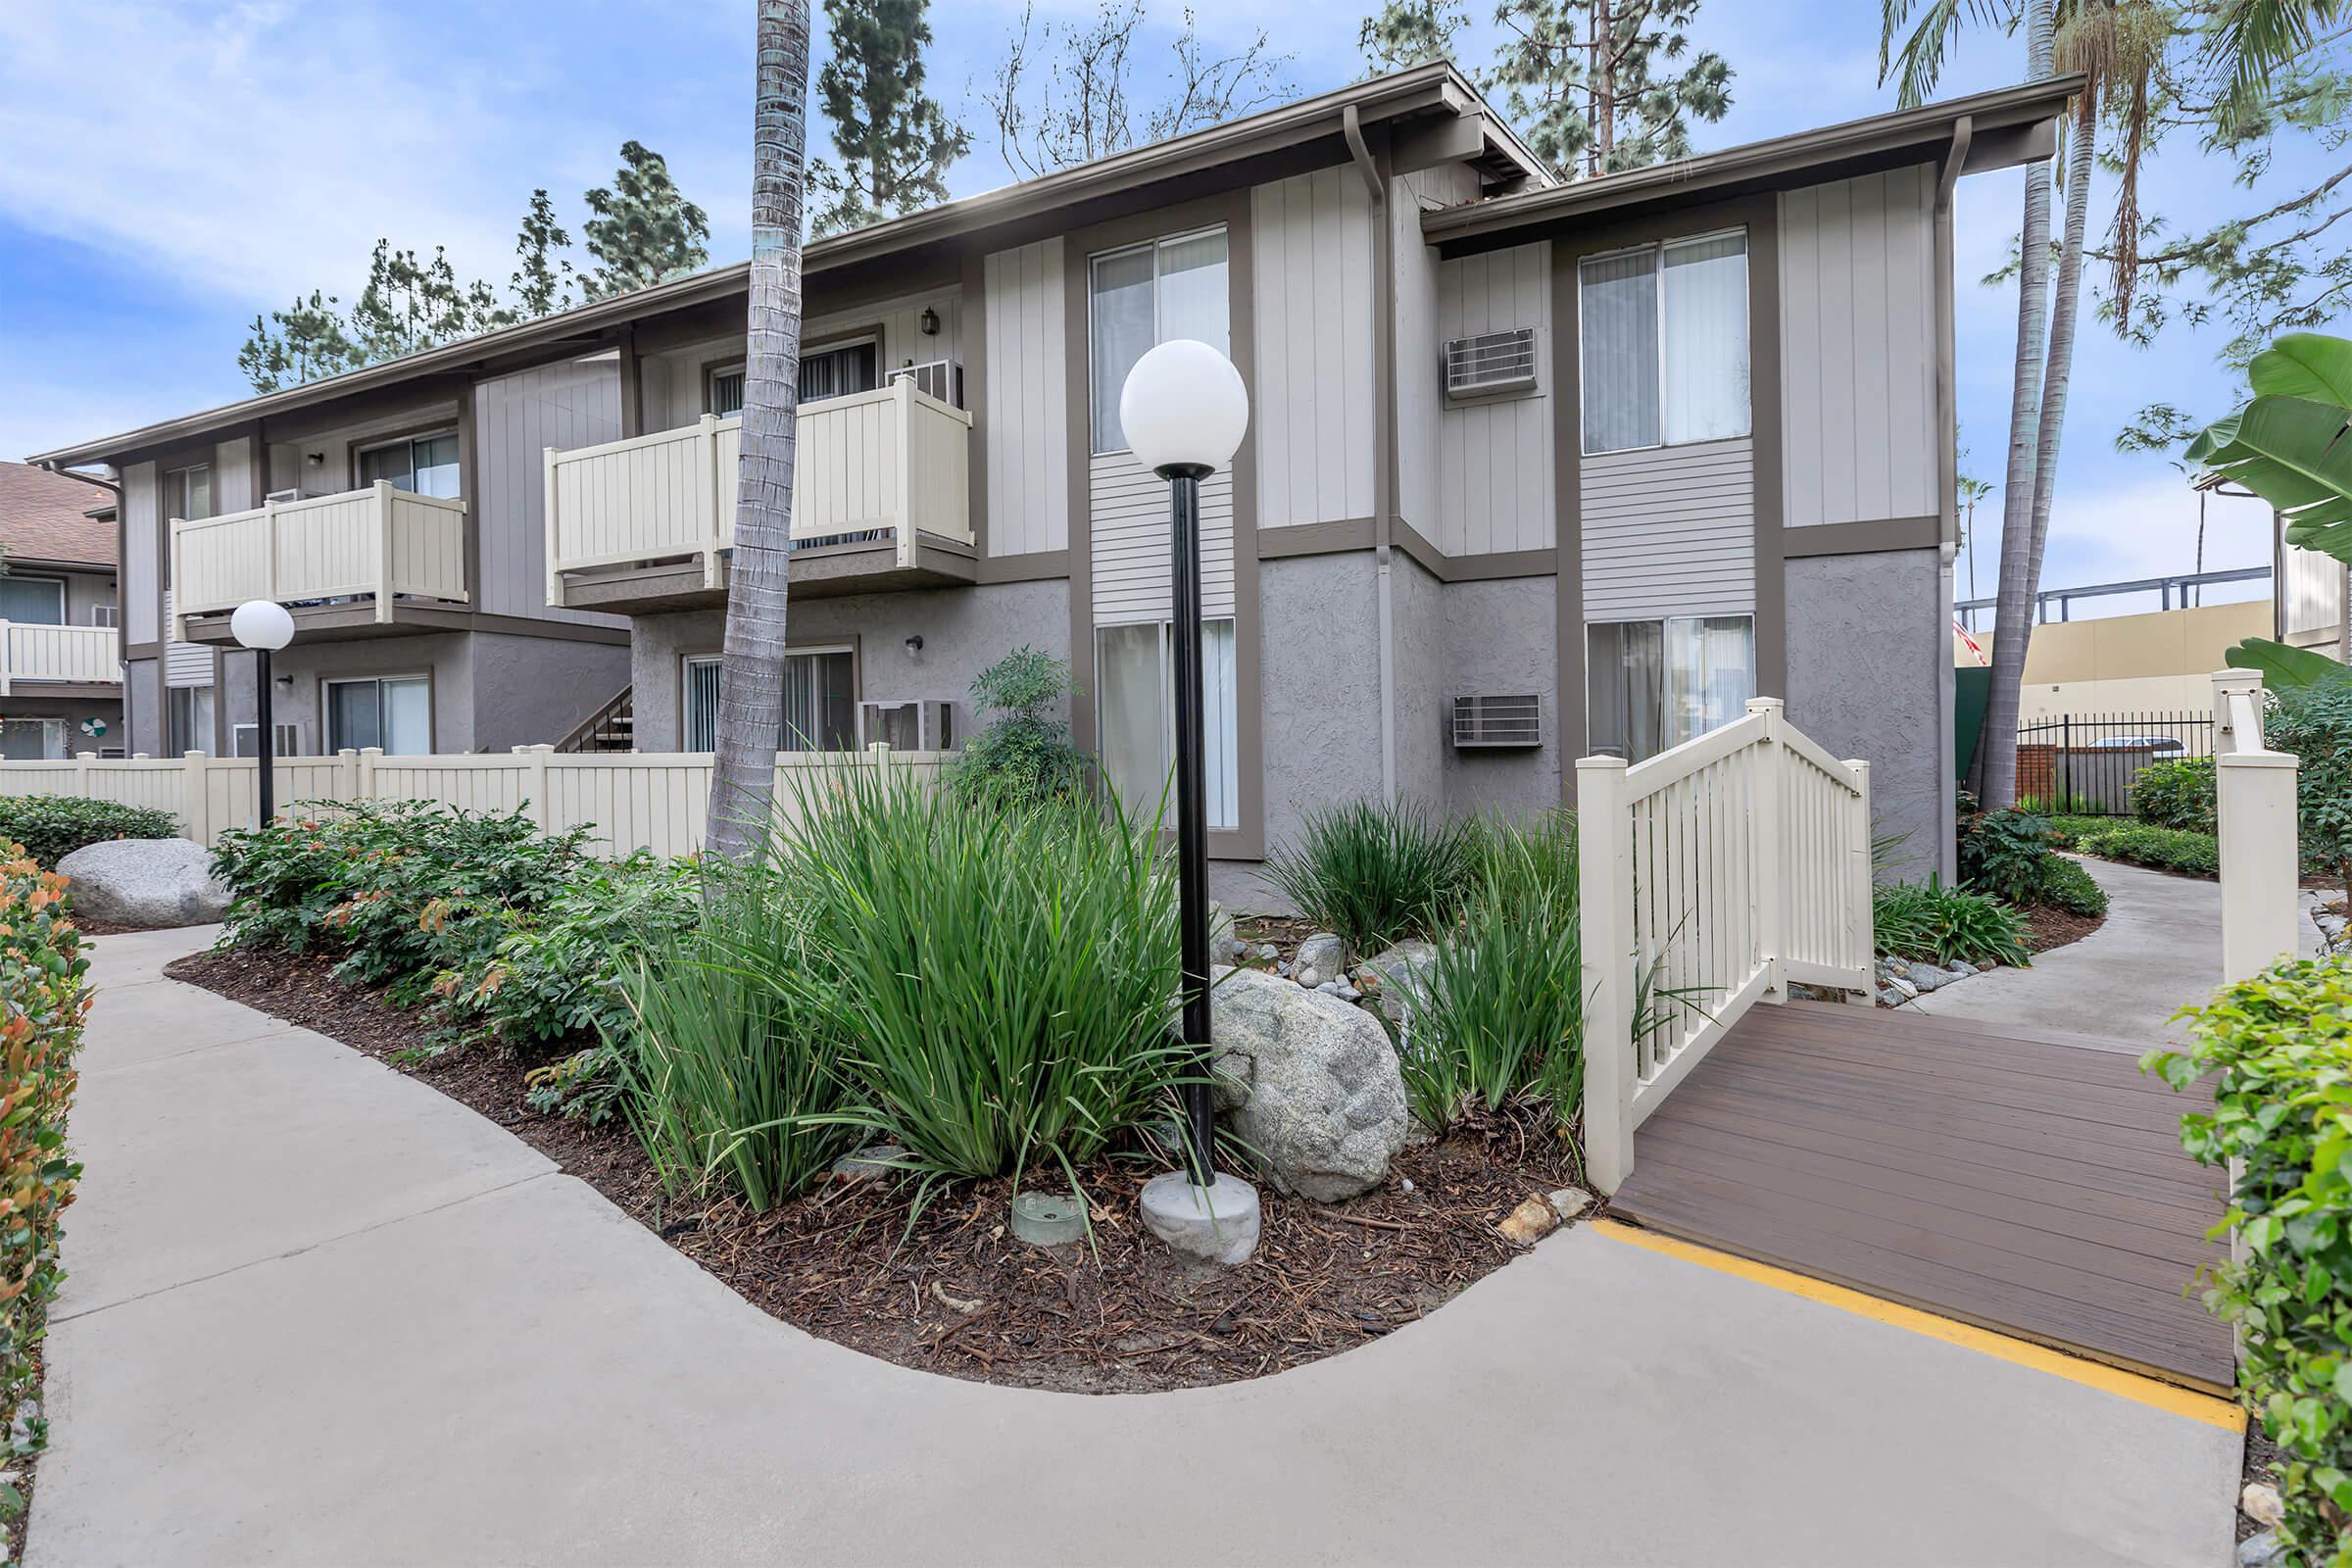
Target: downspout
(1383,262)
(121,552)
(1945,856)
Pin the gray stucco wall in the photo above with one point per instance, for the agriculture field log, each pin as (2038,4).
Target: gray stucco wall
(531,691)
(1868,650)
(964,630)
(302,670)
(27,703)
(1417,616)
(1319,683)
(1501,639)
(142,725)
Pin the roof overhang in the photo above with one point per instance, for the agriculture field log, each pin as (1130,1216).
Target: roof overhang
(2010,126)
(1301,132)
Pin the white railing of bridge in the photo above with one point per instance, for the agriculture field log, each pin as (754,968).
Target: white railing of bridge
(2254,803)
(1713,875)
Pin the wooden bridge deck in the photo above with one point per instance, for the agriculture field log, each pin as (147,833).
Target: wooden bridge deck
(2024,1180)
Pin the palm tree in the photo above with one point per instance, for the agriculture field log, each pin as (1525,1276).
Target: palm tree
(750,676)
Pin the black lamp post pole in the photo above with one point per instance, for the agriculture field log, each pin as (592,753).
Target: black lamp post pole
(269,736)
(1191,815)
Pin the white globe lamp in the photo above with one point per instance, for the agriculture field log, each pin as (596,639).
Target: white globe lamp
(1183,408)
(265,626)
(262,624)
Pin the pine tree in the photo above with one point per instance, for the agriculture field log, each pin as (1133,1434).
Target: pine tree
(542,284)
(1410,33)
(894,140)
(644,231)
(1602,83)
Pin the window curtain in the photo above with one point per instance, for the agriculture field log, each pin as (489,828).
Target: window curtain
(1130,724)
(38,600)
(1193,299)
(1122,332)
(819,708)
(1220,723)
(829,374)
(1618,333)
(1624,687)
(1706,339)
(437,465)
(1710,674)
(408,717)
(701,704)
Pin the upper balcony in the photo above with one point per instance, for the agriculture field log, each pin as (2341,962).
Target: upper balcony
(362,561)
(40,657)
(881,499)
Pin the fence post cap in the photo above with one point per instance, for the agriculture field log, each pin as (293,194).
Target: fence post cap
(346,752)
(85,757)
(192,755)
(1601,764)
(371,750)
(1760,705)
(2237,680)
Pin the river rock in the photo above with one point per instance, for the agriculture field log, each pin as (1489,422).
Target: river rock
(1310,1082)
(145,882)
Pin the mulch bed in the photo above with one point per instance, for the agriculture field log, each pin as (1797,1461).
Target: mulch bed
(948,1289)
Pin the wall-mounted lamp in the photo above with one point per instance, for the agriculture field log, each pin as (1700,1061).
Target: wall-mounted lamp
(929,321)
(316,459)
(914,646)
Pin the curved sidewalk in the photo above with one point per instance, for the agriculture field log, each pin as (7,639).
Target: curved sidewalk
(2159,951)
(318,1313)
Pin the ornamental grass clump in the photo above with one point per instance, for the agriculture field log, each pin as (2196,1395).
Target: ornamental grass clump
(1376,873)
(2280,1050)
(1929,922)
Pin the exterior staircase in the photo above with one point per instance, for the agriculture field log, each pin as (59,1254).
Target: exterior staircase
(610,728)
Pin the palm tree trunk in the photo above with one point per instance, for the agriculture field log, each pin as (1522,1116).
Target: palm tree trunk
(2013,610)
(750,676)
(2056,378)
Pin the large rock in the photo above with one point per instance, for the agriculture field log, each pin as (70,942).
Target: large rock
(1320,958)
(1403,973)
(145,882)
(1310,1085)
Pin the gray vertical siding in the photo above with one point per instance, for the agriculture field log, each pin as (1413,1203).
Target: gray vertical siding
(1670,531)
(1420,397)
(573,404)
(234,476)
(1023,412)
(1495,475)
(1858,348)
(142,557)
(1314,395)
(1129,510)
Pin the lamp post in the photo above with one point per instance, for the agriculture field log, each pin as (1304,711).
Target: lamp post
(1184,410)
(263,626)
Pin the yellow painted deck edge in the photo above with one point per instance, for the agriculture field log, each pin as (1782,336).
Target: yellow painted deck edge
(2146,1390)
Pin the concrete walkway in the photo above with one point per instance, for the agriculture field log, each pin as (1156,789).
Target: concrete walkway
(2160,950)
(318,1313)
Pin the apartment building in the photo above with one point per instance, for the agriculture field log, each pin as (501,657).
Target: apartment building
(61,673)
(1534,469)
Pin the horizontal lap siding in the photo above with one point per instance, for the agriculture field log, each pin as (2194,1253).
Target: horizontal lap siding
(1670,532)
(1132,545)
(1314,393)
(1495,469)
(1023,409)
(1858,348)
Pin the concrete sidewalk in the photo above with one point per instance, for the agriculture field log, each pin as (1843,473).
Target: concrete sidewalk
(319,1314)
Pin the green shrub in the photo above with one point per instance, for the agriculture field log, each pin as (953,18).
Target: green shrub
(51,828)
(2069,887)
(2066,832)
(2282,1047)
(1930,923)
(1026,754)
(41,984)
(2005,853)
(2176,795)
(1374,873)
(1499,1016)
(2165,849)
(2315,723)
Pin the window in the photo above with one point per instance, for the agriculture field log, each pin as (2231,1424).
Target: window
(1663,340)
(38,600)
(834,372)
(1134,718)
(820,702)
(1654,684)
(103,615)
(188,492)
(1147,296)
(395,715)
(32,740)
(726,391)
(424,464)
(245,740)
(191,720)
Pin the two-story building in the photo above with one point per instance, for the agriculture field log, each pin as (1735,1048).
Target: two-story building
(61,669)
(1534,469)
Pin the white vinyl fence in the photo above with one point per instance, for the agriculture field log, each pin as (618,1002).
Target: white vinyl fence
(2254,801)
(1712,876)
(634,800)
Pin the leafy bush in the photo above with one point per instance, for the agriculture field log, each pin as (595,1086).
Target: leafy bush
(2164,847)
(1025,755)
(2282,1045)
(2315,723)
(2066,832)
(51,828)
(41,984)
(2006,854)
(1500,1015)
(2176,795)
(1376,873)
(1930,923)
(2067,886)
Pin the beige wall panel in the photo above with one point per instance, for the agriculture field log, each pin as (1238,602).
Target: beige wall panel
(1023,411)
(1313,394)
(1494,471)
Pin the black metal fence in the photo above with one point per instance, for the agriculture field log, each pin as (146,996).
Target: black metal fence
(2083,764)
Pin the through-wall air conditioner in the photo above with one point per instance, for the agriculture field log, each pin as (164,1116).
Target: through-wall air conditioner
(927,725)
(934,378)
(1487,723)
(1490,362)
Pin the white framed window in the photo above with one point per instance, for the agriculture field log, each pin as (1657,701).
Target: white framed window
(38,600)
(32,740)
(821,701)
(188,492)
(1146,295)
(422,464)
(1662,344)
(722,389)
(392,711)
(191,720)
(245,740)
(1135,716)
(1652,685)
(104,615)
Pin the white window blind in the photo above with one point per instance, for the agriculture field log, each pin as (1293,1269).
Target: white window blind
(1145,296)
(820,703)
(1662,336)
(1134,718)
(1618,332)
(1654,684)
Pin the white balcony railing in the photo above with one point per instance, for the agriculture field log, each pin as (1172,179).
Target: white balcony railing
(88,655)
(380,543)
(893,464)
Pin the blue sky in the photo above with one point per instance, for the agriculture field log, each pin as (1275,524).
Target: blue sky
(169,169)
